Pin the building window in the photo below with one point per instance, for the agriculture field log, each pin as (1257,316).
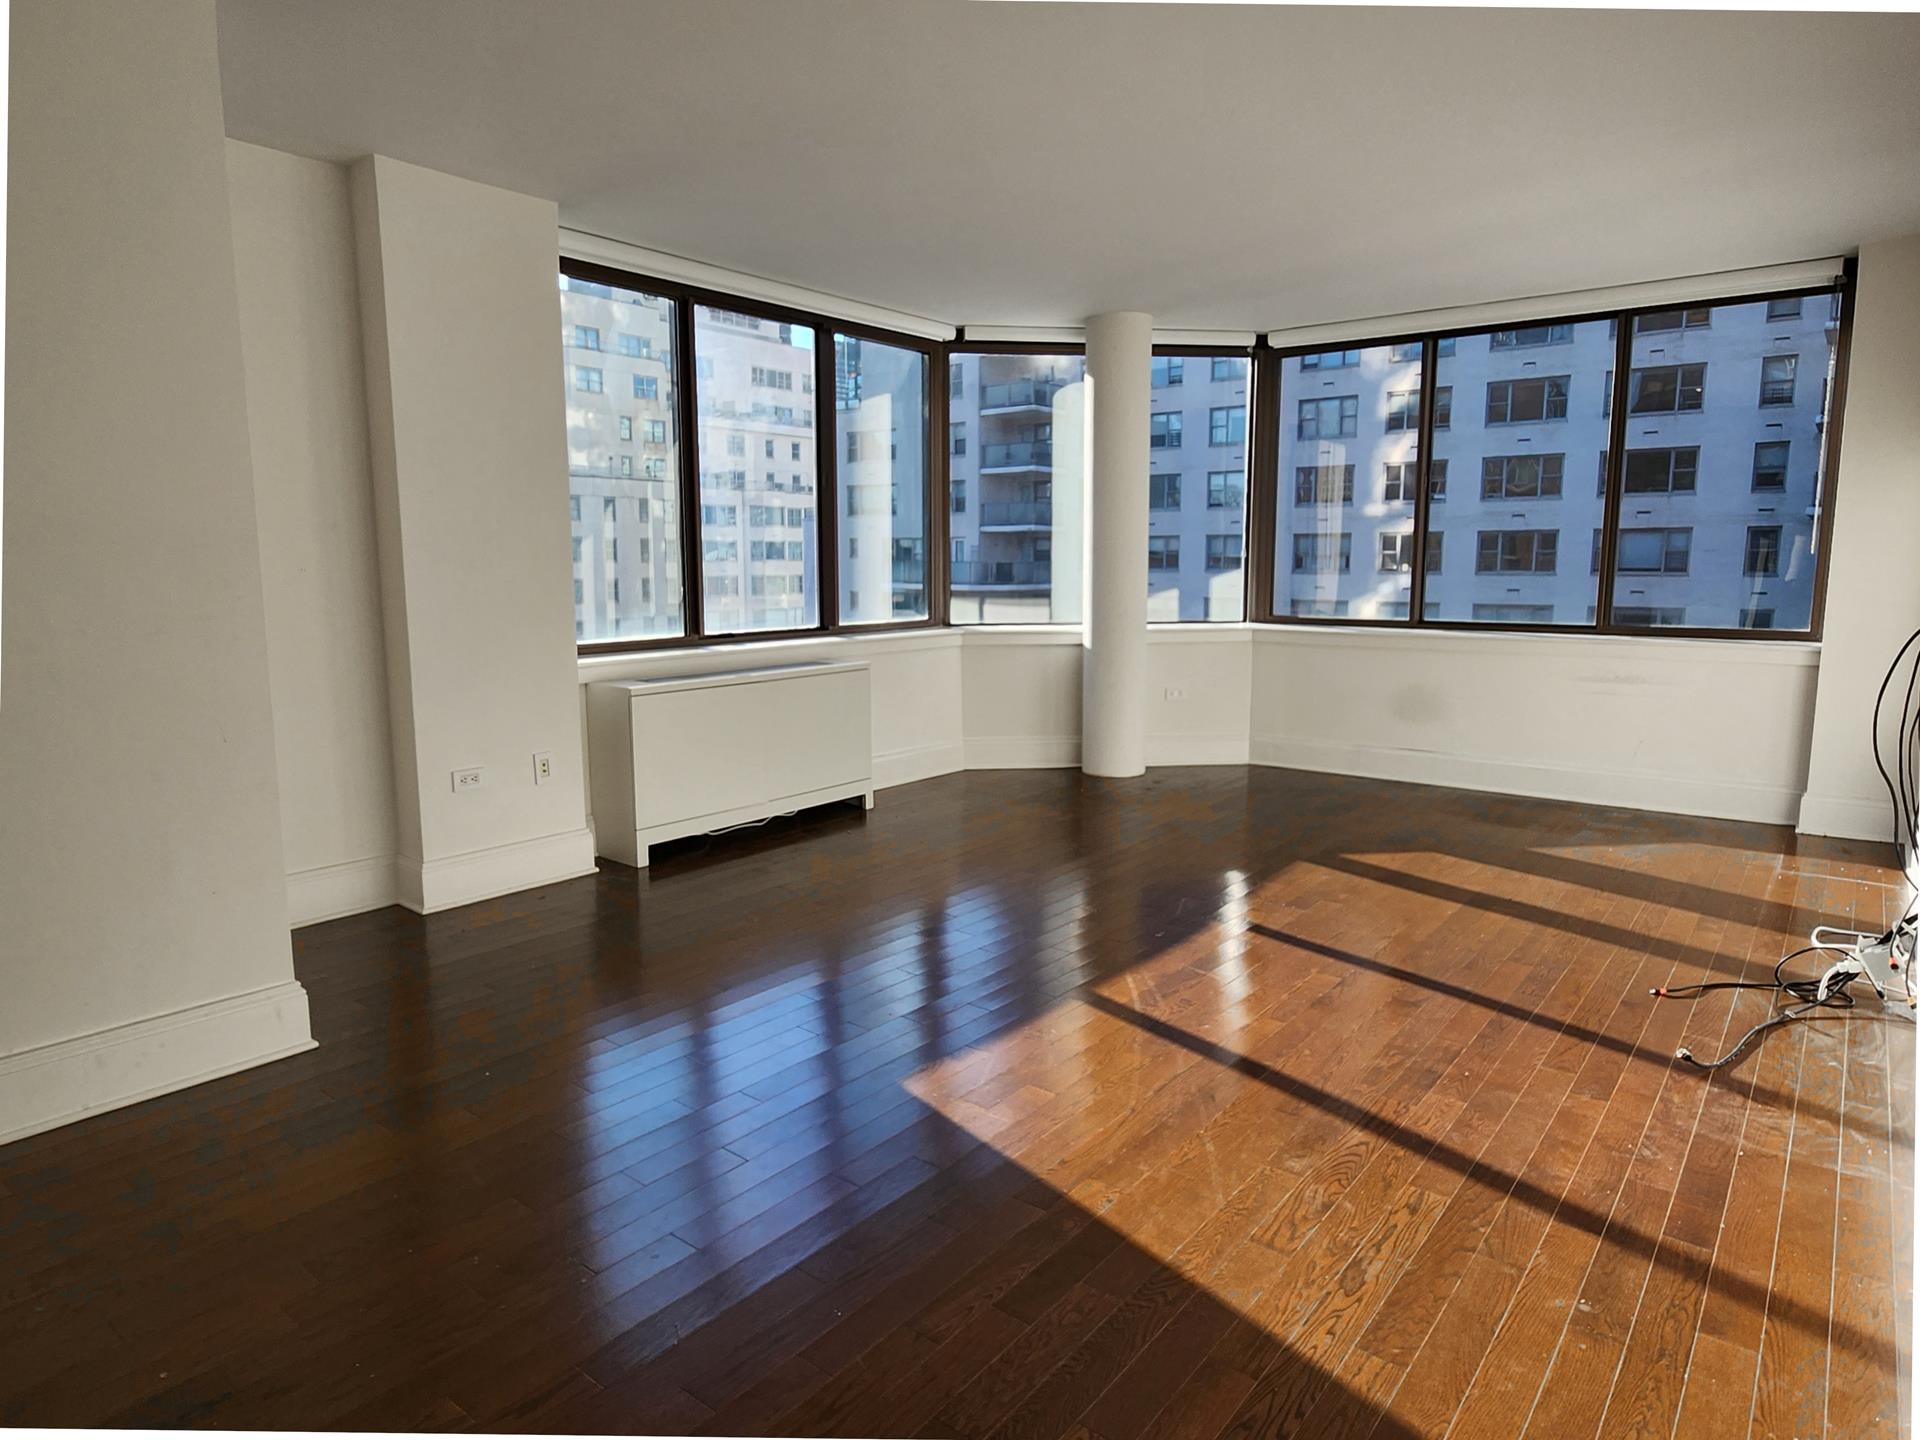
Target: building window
(1508,614)
(1649,616)
(1776,379)
(1330,360)
(1163,552)
(1770,464)
(957,438)
(1763,550)
(959,488)
(1396,552)
(1654,551)
(1168,370)
(588,380)
(1756,617)
(1672,470)
(1518,402)
(1403,410)
(1335,418)
(1227,425)
(1223,553)
(1401,354)
(1528,336)
(586,337)
(1164,430)
(1322,551)
(1323,485)
(1667,389)
(1226,489)
(1784,309)
(1521,477)
(1163,492)
(1229,367)
(626,427)
(1657,321)
(1517,552)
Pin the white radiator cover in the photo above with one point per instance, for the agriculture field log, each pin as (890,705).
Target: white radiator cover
(688,754)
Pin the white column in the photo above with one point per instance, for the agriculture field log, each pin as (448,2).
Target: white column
(1113,725)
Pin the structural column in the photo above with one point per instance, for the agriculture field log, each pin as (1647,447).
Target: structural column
(1113,726)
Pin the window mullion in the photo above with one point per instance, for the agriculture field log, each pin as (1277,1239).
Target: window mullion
(1423,465)
(687,409)
(1616,471)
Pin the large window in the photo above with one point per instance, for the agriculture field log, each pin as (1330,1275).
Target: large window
(1347,464)
(622,465)
(1196,493)
(1017,540)
(757,518)
(880,415)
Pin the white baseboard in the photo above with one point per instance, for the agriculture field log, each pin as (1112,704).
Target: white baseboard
(918,762)
(327,892)
(1847,817)
(432,885)
(56,1084)
(1675,794)
(1023,752)
(1197,750)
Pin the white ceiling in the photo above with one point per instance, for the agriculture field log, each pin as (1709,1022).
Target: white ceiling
(1244,166)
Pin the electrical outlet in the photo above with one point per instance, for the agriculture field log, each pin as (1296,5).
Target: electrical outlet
(1174,692)
(465,780)
(542,766)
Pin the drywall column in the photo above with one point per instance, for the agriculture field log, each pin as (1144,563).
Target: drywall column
(1873,574)
(143,930)
(460,320)
(1113,715)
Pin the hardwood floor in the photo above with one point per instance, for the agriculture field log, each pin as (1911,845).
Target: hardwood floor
(1220,1103)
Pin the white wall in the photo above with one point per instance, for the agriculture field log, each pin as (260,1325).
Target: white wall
(1873,579)
(306,416)
(144,942)
(1698,727)
(461,328)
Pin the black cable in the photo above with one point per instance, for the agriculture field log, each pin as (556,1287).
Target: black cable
(1805,991)
(1902,812)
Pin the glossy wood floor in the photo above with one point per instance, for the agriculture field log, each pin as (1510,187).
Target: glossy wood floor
(1220,1103)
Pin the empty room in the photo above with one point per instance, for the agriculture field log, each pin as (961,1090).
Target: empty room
(999,719)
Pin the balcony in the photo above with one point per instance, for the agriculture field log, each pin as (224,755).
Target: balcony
(1020,395)
(1018,455)
(1004,574)
(1017,515)
(909,572)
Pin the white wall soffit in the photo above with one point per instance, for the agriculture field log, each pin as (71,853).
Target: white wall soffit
(1077,335)
(579,245)
(1802,274)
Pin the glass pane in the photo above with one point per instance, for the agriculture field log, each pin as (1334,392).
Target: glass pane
(759,517)
(1196,503)
(1726,417)
(623,461)
(1349,433)
(880,422)
(1016,514)
(1530,421)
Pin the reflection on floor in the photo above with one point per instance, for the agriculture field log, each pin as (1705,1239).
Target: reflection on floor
(1223,1102)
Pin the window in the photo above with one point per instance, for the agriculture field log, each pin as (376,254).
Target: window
(646,387)
(1227,425)
(1323,485)
(1654,552)
(1763,550)
(1504,614)
(1229,368)
(1669,470)
(1783,309)
(1223,554)
(1164,431)
(1403,410)
(957,439)
(1163,552)
(1168,370)
(1443,403)
(1525,552)
(1756,617)
(1519,402)
(1649,615)
(1016,530)
(748,354)
(1770,464)
(881,409)
(625,522)
(1226,489)
(1521,477)
(1776,379)
(1399,354)
(1667,389)
(1334,418)
(1657,321)
(1528,336)
(1331,360)
(1323,551)
(1163,492)
(1396,552)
